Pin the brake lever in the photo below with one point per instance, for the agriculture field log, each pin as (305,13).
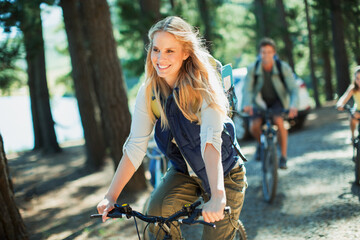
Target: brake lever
(117,212)
(198,212)
(111,214)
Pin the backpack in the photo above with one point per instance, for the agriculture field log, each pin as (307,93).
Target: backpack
(228,84)
(278,66)
(229,89)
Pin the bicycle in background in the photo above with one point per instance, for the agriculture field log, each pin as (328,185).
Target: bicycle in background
(158,164)
(268,155)
(356,145)
(189,215)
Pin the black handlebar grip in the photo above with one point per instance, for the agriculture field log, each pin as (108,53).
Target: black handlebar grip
(111,215)
(208,224)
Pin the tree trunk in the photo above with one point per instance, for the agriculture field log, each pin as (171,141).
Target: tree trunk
(84,85)
(285,33)
(150,13)
(38,139)
(204,14)
(322,23)
(35,57)
(329,91)
(356,46)
(352,9)
(325,52)
(340,55)
(172,4)
(109,83)
(12,226)
(311,56)
(262,29)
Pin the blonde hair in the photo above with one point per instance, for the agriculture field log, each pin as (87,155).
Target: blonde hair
(197,79)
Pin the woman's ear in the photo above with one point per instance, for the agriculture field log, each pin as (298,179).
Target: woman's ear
(186,55)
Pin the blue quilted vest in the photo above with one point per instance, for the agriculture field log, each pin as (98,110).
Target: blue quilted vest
(187,138)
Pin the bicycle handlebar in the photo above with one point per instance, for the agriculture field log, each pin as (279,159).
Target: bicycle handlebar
(270,113)
(350,110)
(264,112)
(190,211)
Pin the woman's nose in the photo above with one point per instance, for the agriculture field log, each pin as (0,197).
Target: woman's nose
(161,56)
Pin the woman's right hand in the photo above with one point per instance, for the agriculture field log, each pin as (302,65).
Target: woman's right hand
(104,207)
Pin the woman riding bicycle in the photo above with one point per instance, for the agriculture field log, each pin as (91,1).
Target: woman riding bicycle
(183,97)
(352,91)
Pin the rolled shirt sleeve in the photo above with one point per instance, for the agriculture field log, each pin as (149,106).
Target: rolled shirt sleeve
(141,128)
(211,128)
(291,85)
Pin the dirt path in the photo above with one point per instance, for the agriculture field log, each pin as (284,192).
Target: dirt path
(56,195)
(316,198)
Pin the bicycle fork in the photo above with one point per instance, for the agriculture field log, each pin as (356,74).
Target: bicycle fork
(265,137)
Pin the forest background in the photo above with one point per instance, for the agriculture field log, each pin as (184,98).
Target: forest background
(97,51)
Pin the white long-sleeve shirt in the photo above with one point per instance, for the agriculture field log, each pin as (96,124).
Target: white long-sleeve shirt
(141,127)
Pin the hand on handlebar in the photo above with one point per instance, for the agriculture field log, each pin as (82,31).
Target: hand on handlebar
(340,108)
(249,110)
(104,207)
(293,112)
(213,210)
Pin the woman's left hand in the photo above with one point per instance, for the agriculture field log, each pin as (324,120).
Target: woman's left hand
(213,210)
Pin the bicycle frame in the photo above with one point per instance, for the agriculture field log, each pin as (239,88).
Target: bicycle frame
(356,146)
(268,132)
(268,156)
(357,158)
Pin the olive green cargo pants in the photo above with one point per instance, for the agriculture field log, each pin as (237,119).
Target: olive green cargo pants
(178,189)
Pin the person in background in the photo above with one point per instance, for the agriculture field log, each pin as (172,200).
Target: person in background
(183,97)
(352,91)
(270,85)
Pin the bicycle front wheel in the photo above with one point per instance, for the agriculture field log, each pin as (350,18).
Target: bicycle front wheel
(357,164)
(269,170)
(240,233)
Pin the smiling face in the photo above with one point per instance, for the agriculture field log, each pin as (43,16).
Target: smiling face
(167,56)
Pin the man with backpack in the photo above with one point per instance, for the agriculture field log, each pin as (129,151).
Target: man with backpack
(270,84)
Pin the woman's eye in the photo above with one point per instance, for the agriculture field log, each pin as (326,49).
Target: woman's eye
(169,51)
(155,50)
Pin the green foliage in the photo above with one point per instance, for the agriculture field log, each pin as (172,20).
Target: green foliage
(15,15)
(133,29)
(10,53)
(234,32)
(9,15)
(234,45)
(67,82)
(352,31)
(321,36)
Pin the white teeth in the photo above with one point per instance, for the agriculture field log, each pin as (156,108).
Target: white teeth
(162,66)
